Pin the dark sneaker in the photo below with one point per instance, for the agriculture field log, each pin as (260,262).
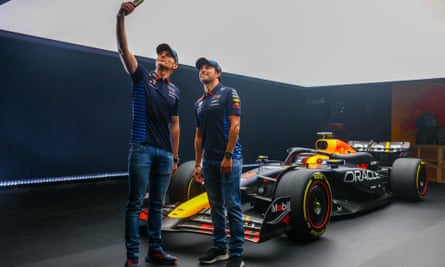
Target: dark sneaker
(213,255)
(235,261)
(130,263)
(161,257)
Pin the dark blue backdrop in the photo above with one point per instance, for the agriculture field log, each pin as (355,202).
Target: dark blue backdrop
(65,110)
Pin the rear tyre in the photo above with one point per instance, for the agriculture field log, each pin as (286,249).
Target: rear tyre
(311,203)
(183,185)
(408,179)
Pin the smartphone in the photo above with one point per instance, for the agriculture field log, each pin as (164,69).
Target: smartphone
(137,2)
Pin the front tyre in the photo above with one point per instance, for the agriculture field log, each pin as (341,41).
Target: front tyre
(183,185)
(311,203)
(408,179)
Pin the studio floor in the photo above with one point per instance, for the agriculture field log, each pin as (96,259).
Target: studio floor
(82,225)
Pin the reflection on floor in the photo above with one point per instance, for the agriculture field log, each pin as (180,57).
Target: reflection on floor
(82,225)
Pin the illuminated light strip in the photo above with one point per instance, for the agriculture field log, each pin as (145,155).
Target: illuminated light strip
(61,179)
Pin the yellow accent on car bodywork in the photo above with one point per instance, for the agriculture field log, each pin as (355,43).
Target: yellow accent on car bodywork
(315,160)
(190,207)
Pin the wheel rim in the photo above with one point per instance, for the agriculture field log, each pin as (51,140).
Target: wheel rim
(318,205)
(422,181)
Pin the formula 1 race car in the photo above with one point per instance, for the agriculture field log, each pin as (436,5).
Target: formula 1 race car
(298,195)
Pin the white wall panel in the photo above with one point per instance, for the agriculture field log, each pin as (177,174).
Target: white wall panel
(300,42)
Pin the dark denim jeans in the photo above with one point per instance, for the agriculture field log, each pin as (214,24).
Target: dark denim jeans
(149,168)
(224,195)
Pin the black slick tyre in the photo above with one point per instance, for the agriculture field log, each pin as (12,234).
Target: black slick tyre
(183,185)
(311,202)
(408,179)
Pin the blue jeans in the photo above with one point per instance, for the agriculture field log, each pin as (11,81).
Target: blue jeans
(149,168)
(224,195)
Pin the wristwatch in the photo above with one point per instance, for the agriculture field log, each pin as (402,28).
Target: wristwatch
(228,155)
(176,160)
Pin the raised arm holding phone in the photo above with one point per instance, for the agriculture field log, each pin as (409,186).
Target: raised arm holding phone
(154,141)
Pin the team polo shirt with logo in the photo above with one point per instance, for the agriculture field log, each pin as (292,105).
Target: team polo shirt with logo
(154,101)
(212,113)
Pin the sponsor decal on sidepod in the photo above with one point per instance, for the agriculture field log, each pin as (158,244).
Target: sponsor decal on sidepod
(360,175)
(278,210)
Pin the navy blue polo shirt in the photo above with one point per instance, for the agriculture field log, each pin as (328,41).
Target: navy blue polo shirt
(154,101)
(212,113)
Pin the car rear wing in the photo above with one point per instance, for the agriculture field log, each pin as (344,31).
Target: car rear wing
(384,152)
(370,146)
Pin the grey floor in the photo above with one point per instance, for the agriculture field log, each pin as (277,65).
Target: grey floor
(82,225)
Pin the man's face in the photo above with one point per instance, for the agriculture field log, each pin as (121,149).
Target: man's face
(208,74)
(166,61)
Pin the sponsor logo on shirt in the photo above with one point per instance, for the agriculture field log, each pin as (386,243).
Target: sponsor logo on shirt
(236,102)
(171,92)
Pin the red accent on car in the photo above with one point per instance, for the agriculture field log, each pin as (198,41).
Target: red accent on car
(362,166)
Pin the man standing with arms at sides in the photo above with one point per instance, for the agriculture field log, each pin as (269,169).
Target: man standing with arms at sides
(217,145)
(153,154)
